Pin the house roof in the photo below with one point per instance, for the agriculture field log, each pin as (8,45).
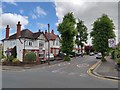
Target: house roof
(26,33)
(52,36)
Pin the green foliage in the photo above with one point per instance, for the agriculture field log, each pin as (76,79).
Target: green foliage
(10,58)
(102,31)
(81,38)
(15,60)
(67,31)
(30,56)
(2,55)
(67,58)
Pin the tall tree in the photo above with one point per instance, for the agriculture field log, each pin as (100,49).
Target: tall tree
(67,31)
(102,31)
(81,38)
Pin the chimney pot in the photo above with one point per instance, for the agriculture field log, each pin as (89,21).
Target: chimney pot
(39,30)
(45,31)
(52,31)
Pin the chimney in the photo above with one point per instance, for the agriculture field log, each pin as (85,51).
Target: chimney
(7,31)
(52,31)
(48,28)
(39,30)
(18,29)
(45,31)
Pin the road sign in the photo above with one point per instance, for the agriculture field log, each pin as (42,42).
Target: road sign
(111,42)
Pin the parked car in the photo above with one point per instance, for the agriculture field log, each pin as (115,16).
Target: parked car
(78,54)
(51,57)
(91,54)
(60,56)
(99,56)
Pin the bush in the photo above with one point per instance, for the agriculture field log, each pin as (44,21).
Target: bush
(10,58)
(118,61)
(29,57)
(15,61)
(67,58)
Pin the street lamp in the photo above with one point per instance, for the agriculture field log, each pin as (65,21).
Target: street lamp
(24,51)
(48,44)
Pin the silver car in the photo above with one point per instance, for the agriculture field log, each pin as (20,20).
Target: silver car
(99,56)
(51,56)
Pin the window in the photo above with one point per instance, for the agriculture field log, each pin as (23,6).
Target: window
(28,43)
(41,44)
(54,42)
(57,43)
(41,55)
(57,51)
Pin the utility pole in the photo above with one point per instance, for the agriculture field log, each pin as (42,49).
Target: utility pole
(48,44)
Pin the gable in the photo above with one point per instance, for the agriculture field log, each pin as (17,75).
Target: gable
(42,37)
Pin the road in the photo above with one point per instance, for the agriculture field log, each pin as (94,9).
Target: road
(71,74)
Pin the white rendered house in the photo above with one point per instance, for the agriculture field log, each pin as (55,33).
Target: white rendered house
(26,40)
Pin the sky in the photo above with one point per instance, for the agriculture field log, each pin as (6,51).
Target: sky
(36,15)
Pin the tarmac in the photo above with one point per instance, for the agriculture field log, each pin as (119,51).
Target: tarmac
(100,69)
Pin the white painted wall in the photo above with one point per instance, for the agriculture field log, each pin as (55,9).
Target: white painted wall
(12,44)
(19,43)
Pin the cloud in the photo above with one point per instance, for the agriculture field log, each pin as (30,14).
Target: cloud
(42,26)
(0,11)
(87,11)
(21,11)
(34,16)
(38,12)
(12,20)
(10,2)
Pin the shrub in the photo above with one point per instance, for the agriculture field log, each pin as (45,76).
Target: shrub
(29,57)
(67,58)
(10,58)
(118,61)
(15,61)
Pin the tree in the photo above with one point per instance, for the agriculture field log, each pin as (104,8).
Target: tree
(102,31)
(67,31)
(81,38)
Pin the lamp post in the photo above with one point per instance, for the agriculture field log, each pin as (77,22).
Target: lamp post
(48,44)
(24,52)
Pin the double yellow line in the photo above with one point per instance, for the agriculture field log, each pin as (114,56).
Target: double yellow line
(91,72)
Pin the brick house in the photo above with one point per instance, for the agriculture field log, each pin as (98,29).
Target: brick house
(54,42)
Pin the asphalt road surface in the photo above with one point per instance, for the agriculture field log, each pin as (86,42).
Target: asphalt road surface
(71,74)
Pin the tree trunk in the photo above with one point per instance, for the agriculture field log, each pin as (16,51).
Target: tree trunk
(78,49)
(81,51)
(103,57)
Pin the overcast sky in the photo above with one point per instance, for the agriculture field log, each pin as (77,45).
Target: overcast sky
(82,9)
(88,11)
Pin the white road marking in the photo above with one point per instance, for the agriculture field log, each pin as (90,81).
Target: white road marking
(72,73)
(83,75)
(57,70)
(83,65)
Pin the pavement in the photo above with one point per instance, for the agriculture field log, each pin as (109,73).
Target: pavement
(12,68)
(105,69)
